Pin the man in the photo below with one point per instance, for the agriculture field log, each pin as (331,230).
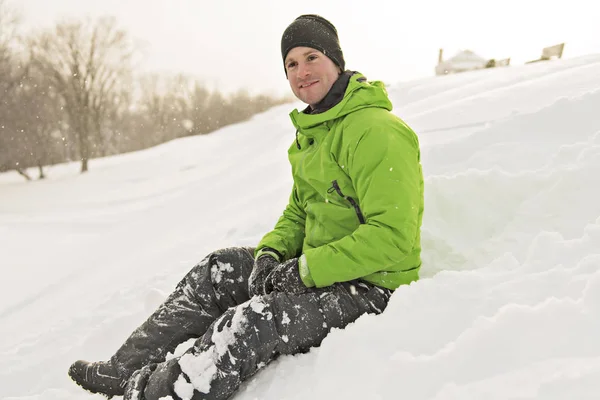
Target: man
(349,236)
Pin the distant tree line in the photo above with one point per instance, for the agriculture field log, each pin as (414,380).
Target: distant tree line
(70,93)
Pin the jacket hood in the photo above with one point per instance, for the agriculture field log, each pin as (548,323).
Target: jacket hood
(359,94)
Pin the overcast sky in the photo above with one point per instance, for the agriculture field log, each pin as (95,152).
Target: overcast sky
(235,43)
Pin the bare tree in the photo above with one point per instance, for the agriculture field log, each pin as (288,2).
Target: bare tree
(9,21)
(178,106)
(12,145)
(89,62)
(40,118)
(67,93)
(116,115)
(175,106)
(158,102)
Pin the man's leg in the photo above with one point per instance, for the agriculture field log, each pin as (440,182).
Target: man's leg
(253,334)
(218,282)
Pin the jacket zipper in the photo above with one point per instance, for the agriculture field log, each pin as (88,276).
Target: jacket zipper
(359,213)
(297,141)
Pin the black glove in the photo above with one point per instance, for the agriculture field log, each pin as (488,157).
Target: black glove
(137,383)
(285,277)
(263,266)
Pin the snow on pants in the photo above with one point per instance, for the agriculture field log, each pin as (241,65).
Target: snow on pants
(237,335)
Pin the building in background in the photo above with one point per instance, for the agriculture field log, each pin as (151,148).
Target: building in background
(466,60)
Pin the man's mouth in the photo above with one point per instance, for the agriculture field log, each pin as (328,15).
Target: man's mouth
(307,84)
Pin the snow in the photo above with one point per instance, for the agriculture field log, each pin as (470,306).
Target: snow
(509,301)
(200,368)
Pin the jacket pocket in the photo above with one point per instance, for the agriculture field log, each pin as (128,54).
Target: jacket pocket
(336,188)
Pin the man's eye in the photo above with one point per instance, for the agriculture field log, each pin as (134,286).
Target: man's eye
(291,65)
(312,57)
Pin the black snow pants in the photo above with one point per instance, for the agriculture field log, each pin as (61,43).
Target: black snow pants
(237,335)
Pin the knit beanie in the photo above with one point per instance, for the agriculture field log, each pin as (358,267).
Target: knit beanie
(316,32)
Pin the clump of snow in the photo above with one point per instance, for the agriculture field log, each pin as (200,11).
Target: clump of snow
(184,389)
(181,348)
(258,306)
(200,368)
(510,292)
(218,270)
(224,335)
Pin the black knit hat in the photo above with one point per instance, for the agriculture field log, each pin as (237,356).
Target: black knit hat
(315,32)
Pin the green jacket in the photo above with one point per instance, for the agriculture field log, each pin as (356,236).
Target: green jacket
(356,207)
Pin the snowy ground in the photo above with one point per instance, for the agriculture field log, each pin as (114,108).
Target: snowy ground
(509,303)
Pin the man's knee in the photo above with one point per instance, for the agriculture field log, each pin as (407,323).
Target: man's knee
(222,275)
(230,269)
(223,265)
(231,264)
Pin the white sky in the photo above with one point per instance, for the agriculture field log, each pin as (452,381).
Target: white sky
(235,43)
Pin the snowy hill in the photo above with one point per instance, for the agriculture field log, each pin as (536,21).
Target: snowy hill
(509,303)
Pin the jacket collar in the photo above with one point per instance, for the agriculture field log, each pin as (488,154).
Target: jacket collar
(372,94)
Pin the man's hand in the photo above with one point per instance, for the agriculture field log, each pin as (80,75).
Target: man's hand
(285,277)
(264,264)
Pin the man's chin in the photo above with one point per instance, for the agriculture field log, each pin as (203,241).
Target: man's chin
(311,100)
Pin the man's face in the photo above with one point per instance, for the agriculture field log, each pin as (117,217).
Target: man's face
(310,73)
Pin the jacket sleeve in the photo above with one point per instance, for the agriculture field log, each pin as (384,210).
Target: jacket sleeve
(288,235)
(386,174)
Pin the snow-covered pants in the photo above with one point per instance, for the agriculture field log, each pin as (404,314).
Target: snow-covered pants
(238,335)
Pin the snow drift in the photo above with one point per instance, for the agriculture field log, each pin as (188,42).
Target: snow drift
(508,305)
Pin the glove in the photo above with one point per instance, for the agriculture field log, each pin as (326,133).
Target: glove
(265,262)
(137,383)
(285,277)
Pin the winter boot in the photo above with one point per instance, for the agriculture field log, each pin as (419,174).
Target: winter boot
(98,377)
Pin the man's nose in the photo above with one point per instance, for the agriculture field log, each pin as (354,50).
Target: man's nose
(303,70)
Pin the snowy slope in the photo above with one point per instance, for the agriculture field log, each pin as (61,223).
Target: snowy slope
(509,303)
